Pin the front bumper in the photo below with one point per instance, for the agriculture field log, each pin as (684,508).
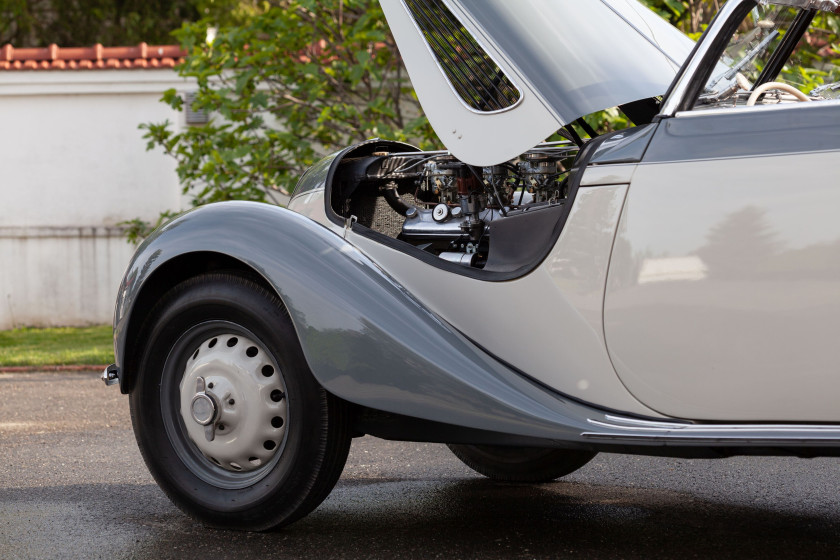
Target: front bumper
(111,375)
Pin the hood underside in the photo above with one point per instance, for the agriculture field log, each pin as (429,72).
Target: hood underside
(496,77)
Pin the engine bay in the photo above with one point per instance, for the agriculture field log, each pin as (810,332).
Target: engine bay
(476,217)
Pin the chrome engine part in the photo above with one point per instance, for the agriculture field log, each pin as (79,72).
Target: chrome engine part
(539,172)
(454,204)
(440,179)
(424,226)
(498,182)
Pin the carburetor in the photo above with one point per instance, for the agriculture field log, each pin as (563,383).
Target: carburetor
(540,173)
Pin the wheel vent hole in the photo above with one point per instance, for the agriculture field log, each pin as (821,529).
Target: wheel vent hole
(251,351)
(269,445)
(221,427)
(267,371)
(277,395)
(213,343)
(210,385)
(235,467)
(254,461)
(195,355)
(232,342)
(215,461)
(277,422)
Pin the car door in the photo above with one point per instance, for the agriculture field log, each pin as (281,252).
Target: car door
(723,294)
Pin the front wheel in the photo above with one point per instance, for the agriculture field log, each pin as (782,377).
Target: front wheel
(228,417)
(521,464)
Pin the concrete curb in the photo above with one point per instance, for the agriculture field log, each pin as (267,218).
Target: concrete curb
(32,369)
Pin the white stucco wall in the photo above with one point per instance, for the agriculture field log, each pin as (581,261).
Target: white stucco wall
(73,164)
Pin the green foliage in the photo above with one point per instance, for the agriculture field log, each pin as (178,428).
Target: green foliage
(56,346)
(293,83)
(691,16)
(72,23)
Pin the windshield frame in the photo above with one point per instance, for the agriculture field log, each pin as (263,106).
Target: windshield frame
(697,69)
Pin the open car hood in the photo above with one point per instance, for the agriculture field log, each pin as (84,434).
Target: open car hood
(496,77)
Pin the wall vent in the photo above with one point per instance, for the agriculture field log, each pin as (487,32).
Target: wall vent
(193,116)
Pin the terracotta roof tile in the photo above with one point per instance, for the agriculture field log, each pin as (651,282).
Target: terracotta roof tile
(89,58)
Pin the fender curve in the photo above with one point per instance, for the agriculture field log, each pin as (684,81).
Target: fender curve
(366,339)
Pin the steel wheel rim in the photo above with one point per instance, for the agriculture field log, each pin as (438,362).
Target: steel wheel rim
(232,363)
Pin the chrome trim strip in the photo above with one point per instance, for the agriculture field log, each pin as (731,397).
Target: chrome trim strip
(617,427)
(801,106)
(443,72)
(615,420)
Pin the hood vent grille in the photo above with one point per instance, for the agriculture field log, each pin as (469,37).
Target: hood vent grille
(474,76)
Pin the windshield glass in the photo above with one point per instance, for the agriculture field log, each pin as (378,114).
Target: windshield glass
(813,67)
(749,49)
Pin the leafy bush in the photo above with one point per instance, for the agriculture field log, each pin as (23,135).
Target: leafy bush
(287,87)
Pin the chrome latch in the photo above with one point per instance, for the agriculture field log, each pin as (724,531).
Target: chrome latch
(348,224)
(204,409)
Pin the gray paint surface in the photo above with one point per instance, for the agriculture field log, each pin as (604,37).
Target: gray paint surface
(749,131)
(369,341)
(547,323)
(365,337)
(727,260)
(627,146)
(583,56)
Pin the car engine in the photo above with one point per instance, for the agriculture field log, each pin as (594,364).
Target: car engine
(446,207)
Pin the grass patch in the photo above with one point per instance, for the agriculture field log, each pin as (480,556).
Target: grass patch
(57,346)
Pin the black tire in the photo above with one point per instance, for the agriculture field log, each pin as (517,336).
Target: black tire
(521,464)
(313,438)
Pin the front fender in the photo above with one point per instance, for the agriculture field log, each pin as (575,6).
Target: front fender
(365,338)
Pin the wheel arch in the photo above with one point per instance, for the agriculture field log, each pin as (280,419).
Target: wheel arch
(170,273)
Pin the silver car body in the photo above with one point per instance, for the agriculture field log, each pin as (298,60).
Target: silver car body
(631,318)
(682,290)
(669,289)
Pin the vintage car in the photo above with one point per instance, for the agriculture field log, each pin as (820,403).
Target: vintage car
(671,289)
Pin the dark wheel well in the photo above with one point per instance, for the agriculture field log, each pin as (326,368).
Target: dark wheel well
(168,275)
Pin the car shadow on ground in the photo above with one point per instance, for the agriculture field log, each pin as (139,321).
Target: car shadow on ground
(381,518)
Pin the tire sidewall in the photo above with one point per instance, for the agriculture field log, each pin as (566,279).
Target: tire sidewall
(521,464)
(256,313)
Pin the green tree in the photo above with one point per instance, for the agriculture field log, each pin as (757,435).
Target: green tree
(73,23)
(291,84)
(691,16)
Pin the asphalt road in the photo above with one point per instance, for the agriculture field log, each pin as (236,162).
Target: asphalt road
(73,485)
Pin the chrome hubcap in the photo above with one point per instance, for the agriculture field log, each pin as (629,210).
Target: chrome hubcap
(203,409)
(233,403)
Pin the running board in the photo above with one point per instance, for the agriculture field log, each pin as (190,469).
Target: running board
(632,430)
